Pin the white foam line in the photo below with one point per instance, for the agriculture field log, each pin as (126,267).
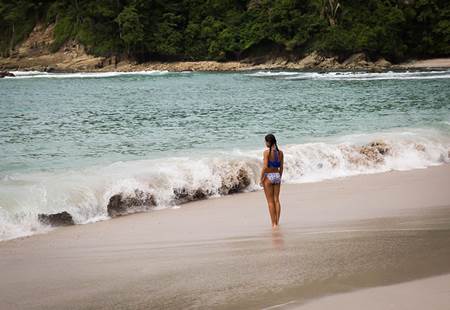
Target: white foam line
(351,76)
(36,74)
(347,78)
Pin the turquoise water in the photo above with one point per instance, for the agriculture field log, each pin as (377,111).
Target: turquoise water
(48,123)
(69,142)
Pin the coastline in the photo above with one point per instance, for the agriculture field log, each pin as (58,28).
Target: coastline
(34,54)
(220,252)
(85,63)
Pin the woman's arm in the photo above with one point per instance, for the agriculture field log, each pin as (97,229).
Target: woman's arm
(265,164)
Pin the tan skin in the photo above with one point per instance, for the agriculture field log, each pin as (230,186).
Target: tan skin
(272,191)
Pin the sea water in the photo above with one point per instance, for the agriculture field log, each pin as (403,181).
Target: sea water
(69,142)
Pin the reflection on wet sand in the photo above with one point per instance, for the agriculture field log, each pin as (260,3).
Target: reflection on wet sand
(277,239)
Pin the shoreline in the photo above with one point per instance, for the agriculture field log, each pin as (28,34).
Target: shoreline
(311,63)
(210,253)
(35,53)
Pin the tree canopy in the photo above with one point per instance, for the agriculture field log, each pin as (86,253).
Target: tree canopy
(229,29)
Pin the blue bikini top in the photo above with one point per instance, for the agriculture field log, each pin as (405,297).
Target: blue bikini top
(274,163)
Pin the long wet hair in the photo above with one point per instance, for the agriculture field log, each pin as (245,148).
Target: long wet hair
(270,138)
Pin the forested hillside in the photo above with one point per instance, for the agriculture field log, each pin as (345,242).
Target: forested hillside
(233,29)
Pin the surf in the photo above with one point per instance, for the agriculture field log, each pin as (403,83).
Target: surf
(153,184)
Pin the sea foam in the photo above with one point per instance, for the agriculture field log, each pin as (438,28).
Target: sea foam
(85,193)
(39,74)
(352,76)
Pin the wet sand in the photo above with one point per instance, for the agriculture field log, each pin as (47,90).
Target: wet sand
(429,293)
(341,236)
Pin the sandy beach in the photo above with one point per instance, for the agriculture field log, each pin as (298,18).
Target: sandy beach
(338,236)
(429,293)
(427,63)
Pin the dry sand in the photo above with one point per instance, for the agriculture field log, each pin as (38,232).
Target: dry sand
(427,63)
(339,236)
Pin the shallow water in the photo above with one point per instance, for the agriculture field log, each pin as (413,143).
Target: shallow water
(71,141)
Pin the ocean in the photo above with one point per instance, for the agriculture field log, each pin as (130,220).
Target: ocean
(70,142)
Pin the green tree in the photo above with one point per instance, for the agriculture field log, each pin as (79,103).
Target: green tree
(130,26)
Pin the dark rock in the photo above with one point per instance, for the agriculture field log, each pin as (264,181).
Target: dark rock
(383,63)
(230,185)
(236,183)
(355,60)
(122,204)
(374,151)
(56,219)
(382,147)
(183,195)
(5,74)
(50,69)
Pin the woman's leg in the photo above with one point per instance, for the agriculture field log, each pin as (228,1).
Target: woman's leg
(268,190)
(276,198)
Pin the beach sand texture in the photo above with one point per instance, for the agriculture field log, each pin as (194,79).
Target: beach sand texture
(340,236)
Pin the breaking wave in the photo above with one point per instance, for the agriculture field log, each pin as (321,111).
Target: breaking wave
(98,193)
(39,74)
(352,76)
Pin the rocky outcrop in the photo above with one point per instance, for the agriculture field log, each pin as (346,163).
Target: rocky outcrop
(230,185)
(56,219)
(183,195)
(358,61)
(374,152)
(310,61)
(382,63)
(235,183)
(355,61)
(38,42)
(5,74)
(370,154)
(72,57)
(36,53)
(121,204)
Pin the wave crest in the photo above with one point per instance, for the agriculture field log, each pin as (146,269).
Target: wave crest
(39,74)
(352,76)
(126,187)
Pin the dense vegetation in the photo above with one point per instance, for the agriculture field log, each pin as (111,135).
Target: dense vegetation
(232,29)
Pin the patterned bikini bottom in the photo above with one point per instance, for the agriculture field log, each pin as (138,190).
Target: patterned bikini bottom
(274,177)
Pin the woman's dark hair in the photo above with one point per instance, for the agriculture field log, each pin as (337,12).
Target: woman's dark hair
(270,138)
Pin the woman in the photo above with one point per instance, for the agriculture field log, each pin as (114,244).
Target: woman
(271,177)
